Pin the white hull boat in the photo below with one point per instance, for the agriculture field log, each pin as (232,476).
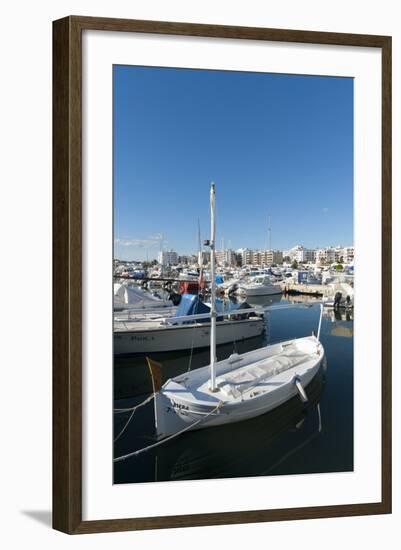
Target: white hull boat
(247,386)
(260,290)
(152,336)
(261,286)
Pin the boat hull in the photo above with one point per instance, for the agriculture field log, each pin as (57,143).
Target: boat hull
(259,291)
(175,338)
(173,416)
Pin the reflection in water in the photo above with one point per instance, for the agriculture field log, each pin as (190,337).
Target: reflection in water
(338,314)
(341,321)
(258,300)
(250,448)
(285,441)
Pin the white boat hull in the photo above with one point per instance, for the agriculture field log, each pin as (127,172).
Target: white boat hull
(182,337)
(259,290)
(174,414)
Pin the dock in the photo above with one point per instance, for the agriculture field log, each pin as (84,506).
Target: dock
(303,288)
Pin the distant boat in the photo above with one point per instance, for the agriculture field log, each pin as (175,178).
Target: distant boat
(258,286)
(238,388)
(132,297)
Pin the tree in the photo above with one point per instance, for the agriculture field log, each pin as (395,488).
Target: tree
(294,264)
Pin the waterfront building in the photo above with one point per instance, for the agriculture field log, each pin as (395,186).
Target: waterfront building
(326,256)
(167,257)
(348,254)
(269,257)
(247,256)
(300,253)
(185,260)
(226,257)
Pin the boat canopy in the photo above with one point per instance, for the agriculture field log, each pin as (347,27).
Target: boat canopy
(134,296)
(191,304)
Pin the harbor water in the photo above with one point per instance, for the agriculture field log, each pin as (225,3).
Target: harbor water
(295,438)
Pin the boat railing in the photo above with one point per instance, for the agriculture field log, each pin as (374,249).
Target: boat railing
(200,316)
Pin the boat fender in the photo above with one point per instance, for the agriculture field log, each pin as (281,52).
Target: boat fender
(301,391)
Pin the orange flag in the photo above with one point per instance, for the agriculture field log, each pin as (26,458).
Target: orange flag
(156,374)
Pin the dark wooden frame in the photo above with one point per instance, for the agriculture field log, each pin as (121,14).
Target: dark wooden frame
(67,263)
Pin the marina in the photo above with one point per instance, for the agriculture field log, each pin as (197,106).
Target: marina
(222,352)
(293,438)
(233,300)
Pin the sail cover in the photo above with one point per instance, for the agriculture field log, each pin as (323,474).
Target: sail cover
(191,304)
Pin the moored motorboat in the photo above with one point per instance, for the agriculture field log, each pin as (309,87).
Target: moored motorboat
(188,328)
(258,286)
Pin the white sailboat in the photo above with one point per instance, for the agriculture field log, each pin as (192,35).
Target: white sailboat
(238,388)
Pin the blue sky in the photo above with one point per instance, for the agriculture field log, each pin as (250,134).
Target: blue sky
(275,145)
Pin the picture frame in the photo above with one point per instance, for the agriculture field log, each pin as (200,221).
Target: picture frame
(68,267)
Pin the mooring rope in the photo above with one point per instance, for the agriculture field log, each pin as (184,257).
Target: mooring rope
(128,409)
(133,410)
(158,443)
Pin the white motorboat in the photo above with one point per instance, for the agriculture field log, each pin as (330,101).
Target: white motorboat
(228,286)
(238,388)
(188,328)
(258,286)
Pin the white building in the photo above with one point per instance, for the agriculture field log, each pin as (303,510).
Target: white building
(226,257)
(326,255)
(167,257)
(301,254)
(269,257)
(345,254)
(245,256)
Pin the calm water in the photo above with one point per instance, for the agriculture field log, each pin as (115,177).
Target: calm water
(292,439)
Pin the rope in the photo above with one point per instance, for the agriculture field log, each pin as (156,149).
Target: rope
(158,443)
(151,396)
(133,410)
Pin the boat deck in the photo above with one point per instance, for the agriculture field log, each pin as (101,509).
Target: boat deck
(245,382)
(162,323)
(251,377)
